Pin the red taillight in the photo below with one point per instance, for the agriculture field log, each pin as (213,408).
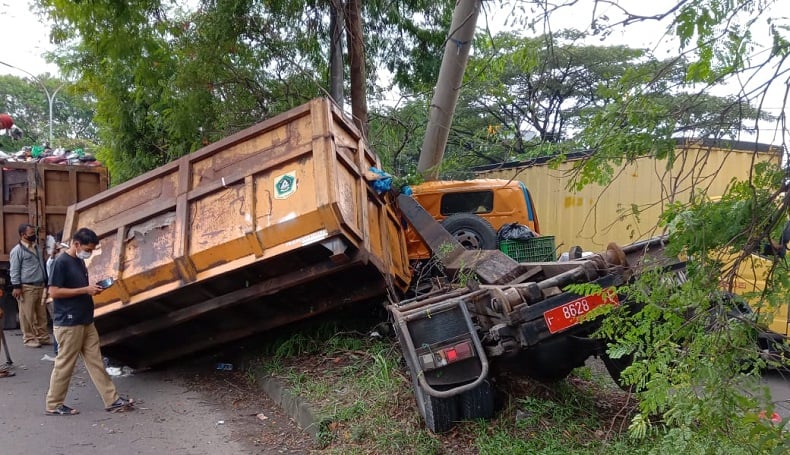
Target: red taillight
(458,352)
(445,356)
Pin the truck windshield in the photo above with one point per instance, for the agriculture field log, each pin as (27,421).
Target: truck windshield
(467,202)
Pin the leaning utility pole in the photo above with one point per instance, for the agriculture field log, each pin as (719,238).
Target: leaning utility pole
(445,97)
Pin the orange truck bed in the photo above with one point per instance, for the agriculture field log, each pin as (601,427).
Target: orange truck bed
(271,225)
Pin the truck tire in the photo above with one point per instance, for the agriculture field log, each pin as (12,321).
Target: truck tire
(440,414)
(615,367)
(477,403)
(471,231)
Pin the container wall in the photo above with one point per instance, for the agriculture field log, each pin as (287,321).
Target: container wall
(597,215)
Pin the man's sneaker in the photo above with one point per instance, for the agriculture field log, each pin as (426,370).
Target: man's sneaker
(121,404)
(32,344)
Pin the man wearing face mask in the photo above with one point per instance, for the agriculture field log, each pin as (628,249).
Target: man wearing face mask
(72,296)
(28,278)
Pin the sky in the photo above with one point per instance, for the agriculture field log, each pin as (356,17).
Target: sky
(27,39)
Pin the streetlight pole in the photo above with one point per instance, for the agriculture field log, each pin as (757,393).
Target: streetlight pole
(50,97)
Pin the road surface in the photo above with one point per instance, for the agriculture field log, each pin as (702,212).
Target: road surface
(170,418)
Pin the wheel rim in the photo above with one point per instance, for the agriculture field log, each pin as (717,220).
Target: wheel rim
(469,239)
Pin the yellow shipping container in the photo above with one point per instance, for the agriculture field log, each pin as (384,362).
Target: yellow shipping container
(597,215)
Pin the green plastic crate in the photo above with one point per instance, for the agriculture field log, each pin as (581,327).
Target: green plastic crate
(536,249)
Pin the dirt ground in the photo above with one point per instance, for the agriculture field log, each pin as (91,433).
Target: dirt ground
(275,432)
(255,421)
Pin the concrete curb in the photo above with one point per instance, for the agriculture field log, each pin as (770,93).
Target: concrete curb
(294,406)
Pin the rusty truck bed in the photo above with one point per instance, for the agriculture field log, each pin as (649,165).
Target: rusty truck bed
(39,194)
(269,226)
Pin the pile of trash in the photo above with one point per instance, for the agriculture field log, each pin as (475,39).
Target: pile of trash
(47,155)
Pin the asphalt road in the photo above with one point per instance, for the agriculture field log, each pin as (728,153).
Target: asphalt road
(779,384)
(168,419)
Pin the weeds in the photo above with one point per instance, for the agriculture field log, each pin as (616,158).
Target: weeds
(359,387)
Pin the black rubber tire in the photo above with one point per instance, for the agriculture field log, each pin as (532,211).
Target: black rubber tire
(471,231)
(477,403)
(615,367)
(440,414)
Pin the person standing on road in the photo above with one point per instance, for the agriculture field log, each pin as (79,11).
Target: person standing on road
(72,296)
(28,278)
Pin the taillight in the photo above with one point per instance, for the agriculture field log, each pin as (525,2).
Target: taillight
(447,355)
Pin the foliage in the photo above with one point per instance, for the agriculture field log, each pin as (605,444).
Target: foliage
(554,94)
(716,42)
(696,368)
(696,358)
(26,101)
(366,404)
(697,361)
(170,80)
(744,219)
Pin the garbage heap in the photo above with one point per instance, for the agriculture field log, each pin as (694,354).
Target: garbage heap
(47,155)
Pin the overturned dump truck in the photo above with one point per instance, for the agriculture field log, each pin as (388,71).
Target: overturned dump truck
(277,223)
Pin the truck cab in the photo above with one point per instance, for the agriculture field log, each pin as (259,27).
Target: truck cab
(472,211)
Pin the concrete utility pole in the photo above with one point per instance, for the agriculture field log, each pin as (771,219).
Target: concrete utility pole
(445,97)
(337,23)
(50,97)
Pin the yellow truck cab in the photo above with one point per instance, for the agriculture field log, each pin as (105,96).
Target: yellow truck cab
(472,211)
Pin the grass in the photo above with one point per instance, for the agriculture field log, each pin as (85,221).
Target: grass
(360,387)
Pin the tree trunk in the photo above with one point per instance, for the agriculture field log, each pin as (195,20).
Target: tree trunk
(336,79)
(356,56)
(445,97)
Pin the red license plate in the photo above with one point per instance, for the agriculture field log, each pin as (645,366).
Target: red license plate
(567,315)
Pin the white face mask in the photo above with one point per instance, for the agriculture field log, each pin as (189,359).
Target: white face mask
(84,254)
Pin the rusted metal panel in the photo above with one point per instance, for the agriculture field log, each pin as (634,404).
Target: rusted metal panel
(267,226)
(40,194)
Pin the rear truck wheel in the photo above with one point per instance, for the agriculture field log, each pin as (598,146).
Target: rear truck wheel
(615,367)
(471,231)
(440,414)
(477,403)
